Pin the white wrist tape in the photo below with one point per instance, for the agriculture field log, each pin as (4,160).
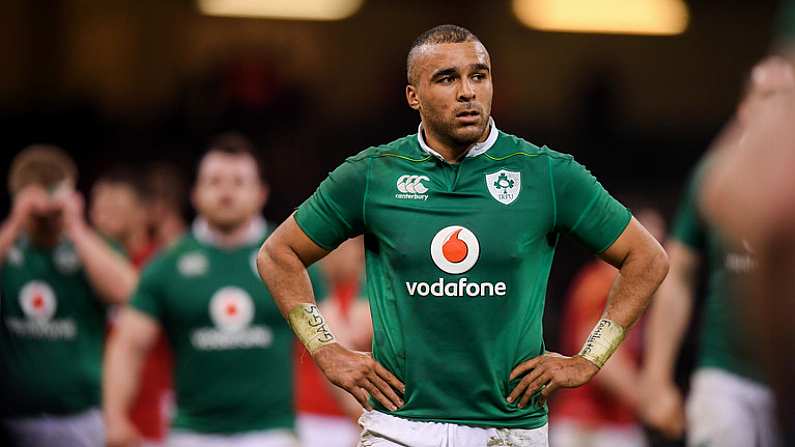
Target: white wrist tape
(603,342)
(310,327)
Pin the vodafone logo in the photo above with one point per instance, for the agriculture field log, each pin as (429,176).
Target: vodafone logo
(231,309)
(455,249)
(38,301)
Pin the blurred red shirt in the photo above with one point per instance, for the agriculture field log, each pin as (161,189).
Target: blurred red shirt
(590,404)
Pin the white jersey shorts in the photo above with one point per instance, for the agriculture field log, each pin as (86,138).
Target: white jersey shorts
(78,430)
(726,410)
(383,430)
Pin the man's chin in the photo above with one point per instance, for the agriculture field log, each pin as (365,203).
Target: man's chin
(226,224)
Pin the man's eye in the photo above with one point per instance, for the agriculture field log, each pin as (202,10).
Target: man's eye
(478,76)
(446,80)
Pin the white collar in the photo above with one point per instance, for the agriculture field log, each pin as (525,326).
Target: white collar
(474,150)
(256,230)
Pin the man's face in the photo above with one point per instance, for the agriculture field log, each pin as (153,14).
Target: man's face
(228,191)
(452,90)
(116,209)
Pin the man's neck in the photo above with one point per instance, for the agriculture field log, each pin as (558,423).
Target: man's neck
(229,237)
(451,151)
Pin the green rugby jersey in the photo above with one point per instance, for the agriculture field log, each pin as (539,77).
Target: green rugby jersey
(458,257)
(52,329)
(233,365)
(722,343)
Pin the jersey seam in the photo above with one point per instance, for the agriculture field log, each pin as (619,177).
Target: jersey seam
(491,157)
(584,212)
(366,190)
(554,197)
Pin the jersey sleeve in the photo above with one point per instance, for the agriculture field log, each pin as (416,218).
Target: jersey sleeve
(335,212)
(148,295)
(688,227)
(583,207)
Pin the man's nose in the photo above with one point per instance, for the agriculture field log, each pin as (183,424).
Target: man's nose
(466,92)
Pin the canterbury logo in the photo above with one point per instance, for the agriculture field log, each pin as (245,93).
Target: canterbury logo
(412,184)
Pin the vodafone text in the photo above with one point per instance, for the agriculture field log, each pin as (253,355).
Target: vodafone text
(460,288)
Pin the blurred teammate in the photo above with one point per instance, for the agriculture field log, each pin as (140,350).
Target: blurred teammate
(603,412)
(758,206)
(119,210)
(326,414)
(232,350)
(167,190)
(460,223)
(57,276)
(729,402)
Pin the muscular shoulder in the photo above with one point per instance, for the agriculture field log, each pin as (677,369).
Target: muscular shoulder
(511,146)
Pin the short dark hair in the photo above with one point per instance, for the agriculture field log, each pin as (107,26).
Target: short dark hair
(437,35)
(235,143)
(43,165)
(128,176)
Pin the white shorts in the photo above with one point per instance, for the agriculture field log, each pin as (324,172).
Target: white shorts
(78,430)
(326,431)
(724,409)
(383,430)
(566,433)
(266,438)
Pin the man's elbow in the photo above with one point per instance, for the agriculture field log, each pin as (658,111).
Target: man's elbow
(265,258)
(659,264)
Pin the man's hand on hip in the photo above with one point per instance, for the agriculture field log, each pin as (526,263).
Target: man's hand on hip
(358,374)
(547,373)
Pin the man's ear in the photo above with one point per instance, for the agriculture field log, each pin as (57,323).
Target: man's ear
(412,98)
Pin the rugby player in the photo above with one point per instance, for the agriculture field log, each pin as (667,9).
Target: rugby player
(232,350)
(57,277)
(460,222)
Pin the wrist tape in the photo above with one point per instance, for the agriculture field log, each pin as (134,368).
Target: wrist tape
(310,327)
(603,342)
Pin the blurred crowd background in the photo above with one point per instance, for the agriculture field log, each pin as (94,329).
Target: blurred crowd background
(143,86)
(128,83)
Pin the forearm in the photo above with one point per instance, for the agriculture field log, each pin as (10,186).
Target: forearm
(638,278)
(120,379)
(667,323)
(285,276)
(109,273)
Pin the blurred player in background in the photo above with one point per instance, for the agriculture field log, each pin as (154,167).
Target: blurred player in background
(57,276)
(602,413)
(167,190)
(749,192)
(119,210)
(460,223)
(729,403)
(326,414)
(233,374)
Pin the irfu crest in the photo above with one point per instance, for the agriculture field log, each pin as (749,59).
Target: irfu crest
(504,186)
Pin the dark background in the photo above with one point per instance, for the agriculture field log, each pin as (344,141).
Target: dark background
(130,82)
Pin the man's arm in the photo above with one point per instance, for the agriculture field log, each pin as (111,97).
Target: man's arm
(31,199)
(668,320)
(108,272)
(133,337)
(282,263)
(642,265)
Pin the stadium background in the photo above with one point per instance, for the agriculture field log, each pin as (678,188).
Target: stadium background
(129,82)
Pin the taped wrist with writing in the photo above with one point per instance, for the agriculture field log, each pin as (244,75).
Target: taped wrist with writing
(605,338)
(310,326)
